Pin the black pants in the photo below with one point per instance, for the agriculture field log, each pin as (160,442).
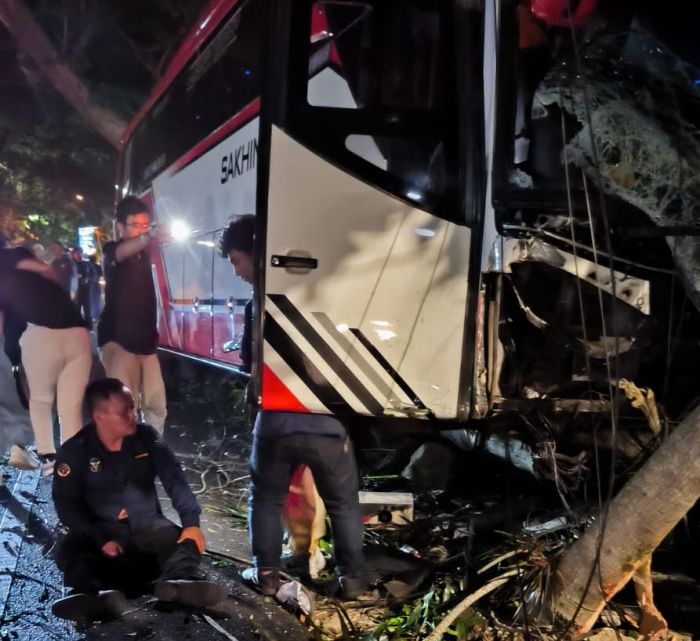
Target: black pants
(332,462)
(149,554)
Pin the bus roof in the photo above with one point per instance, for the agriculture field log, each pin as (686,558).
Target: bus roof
(207,22)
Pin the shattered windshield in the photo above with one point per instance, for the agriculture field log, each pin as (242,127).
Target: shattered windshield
(612,106)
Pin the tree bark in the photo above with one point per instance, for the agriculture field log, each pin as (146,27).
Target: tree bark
(642,514)
(32,40)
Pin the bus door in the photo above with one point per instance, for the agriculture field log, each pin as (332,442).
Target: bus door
(367,242)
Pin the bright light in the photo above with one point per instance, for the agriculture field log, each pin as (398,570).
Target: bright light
(206,243)
(414,195)
(343,327)
(179,230)
(425,233)
(79,197)
(385,334)
(381,323)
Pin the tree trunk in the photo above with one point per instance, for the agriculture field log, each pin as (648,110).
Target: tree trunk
(32,40)
(642,514)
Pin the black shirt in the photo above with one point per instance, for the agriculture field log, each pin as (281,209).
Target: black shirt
(64,269)
(32,298)
(246,353)
(92,486)
(129,317)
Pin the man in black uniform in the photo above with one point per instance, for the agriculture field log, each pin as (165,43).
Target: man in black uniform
(118,539)
(281,442)
(86,276)
(63,267)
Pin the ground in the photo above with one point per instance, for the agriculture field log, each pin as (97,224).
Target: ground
(491,516)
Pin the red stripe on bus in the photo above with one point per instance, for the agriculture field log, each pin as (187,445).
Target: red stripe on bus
(245,114)
(207,22)
(276,395)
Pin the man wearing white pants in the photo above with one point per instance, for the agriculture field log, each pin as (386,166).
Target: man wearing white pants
(56,352)
(57,364)
(127,332)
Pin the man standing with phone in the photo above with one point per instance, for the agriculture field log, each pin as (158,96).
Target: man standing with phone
(127,333)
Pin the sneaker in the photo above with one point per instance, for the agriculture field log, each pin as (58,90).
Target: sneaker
(48,461)
(264,581)
(86,608)
(22,459)
(351,587)
(296,598)
(194,594)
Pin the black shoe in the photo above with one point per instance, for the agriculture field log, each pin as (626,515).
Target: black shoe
(351,587)
(267,582)
(110,604)
(194,594)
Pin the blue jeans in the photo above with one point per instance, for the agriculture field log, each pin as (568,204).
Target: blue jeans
(332,462)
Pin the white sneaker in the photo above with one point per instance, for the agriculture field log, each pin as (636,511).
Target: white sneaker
(22,459)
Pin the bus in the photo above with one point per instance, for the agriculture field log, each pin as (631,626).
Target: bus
(455,220)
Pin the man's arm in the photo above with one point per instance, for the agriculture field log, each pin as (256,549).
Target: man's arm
(36,266)
(68,497)
(132,246)
(175,484)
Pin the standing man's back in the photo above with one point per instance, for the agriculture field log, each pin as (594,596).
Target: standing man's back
(63,267)
(127,332)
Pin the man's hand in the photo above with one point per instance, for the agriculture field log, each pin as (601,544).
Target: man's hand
(193,534)
(112,549)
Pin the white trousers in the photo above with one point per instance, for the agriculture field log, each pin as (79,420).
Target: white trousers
(57,363)
(142,375)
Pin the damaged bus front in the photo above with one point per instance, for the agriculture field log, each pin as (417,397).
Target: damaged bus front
(478,217)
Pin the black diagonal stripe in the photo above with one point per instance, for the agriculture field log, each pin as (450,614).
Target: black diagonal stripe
(389,369)
(326,352)
(304,368)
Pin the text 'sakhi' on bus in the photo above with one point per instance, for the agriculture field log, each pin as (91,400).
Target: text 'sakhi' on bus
(422,179)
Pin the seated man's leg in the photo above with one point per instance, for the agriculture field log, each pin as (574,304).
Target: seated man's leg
(175,560)
(89,575)
(82,564)
(181,577)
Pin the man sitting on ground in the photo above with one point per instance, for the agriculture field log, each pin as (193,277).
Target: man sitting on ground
(118,539)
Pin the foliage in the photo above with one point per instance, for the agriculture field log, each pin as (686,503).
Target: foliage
(416,619)
(47,154)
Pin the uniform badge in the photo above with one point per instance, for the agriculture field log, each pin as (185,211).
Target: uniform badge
(95,464)
(63,470)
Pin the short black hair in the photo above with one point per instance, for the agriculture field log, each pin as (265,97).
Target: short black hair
(101,390)
(130,206)
(239,235)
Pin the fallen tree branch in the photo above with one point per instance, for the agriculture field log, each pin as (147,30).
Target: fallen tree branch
(454,614)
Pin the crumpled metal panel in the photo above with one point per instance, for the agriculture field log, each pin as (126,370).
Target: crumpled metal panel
(631,290)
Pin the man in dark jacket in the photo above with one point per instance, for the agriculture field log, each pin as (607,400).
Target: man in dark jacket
(282,441)
(105,494)
(86,277)
(63,267)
